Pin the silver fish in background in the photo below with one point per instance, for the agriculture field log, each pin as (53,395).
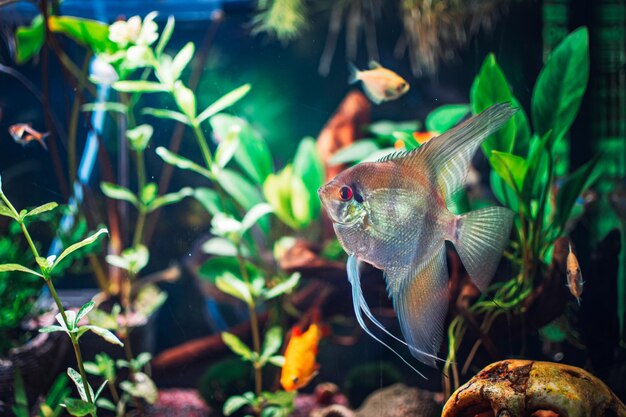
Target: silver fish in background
(393,214)
(380,84)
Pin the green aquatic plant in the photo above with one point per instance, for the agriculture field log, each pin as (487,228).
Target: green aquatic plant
(528,173)
(52,404)
(69,321)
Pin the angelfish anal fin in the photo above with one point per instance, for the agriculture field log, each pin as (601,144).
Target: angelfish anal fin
(420,299)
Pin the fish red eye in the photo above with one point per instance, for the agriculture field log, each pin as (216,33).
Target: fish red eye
(345,193)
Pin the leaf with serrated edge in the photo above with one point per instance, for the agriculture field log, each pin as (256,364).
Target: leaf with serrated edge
(79,245)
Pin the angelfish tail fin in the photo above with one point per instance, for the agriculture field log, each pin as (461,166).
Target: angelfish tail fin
(480,238)
(354,73)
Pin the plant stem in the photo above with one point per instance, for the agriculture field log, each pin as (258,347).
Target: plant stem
(254,324)
(141,221)
(81,368)
(202,143)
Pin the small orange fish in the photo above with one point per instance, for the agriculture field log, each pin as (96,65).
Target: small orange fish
(300,366)
(574,275)
(423,137)
(23,134)
(380,84)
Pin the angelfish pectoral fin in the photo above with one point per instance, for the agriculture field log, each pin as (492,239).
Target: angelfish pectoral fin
(360,306)
(420,298)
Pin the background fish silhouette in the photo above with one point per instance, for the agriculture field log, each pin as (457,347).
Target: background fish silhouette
(393,214)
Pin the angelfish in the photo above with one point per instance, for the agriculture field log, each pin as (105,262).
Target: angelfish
(380,84)
(393,214)
(574,275)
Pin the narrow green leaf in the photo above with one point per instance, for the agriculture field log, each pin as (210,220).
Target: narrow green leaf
(209,199)
(79,408)
(42,209)
(236,345)
(138,86)
(171,198)
(253,216)
(491,87)
(7,212)
(233,286)
(354,153)
(167,114)
(105,334)
(277,191)
(182,162)
(233,404)
(117,192)
(84,310)
(88,241)
(300,202)
(51,329)
(105,106)
(219,246)
(446,117)
(561,85)
(283,287)
(78,381)
(236,186)
(277,360)
(19,268)
(29,40)
(106,404)
(226,149)
(186,99)
(224,102)
(99,391)
(272,342)
(181,60)
(166,35)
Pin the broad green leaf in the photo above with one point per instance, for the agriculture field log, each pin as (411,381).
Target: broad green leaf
(236,345)
(272,342)
(356,152)
(117,192)
(446,117)
(42,209)
(166,35)
(182,162)
(236,186)
(300,202)
(252,154)
(226,149)
(561,85)
(308,166)
(171,198)
(84,310)
(574,186)
(18,268)
(504,193)
(90,33)
(277,191)
(537,172)
(105,334)
(233,404)
(253,216)
(142,387)
(139,86)
(181,60)
(209,199)
(283,287)
(491,87)
(87,241)
(522,130)
(224,102)
(511,168)
(148,193)
(29,40)
(167,114)
(7,212)
(214,267)
(233,286)
(186,100)
(139,137)
(105,106)
(79,408)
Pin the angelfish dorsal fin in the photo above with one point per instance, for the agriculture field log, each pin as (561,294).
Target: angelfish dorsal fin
(374,64)
(447,157)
